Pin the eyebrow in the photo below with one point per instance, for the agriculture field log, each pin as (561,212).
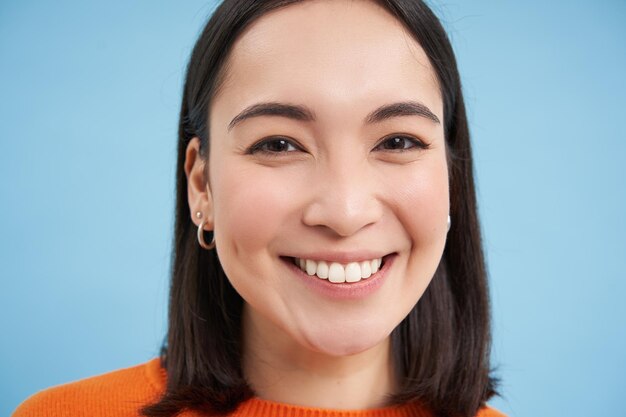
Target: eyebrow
(290,111)
(404,108)
(302,113)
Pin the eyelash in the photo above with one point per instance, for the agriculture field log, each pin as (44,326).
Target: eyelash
(416,143)
(259,146)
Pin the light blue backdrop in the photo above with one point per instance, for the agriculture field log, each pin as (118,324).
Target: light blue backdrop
(89,98)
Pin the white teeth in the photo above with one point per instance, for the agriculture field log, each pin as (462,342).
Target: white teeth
(311,267)
(366,269)
(353,272)
(322,270)
(336,272)
(375,266)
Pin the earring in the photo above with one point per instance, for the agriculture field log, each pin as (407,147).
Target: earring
(449,223)
(201,240)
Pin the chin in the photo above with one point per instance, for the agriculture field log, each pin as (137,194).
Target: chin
(345,342)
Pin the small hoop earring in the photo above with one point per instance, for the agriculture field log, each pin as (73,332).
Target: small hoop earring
(449,223)
(201,237)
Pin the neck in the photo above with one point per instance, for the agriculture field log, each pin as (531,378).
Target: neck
(279,369)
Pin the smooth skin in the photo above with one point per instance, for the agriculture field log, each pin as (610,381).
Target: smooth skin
(278,187)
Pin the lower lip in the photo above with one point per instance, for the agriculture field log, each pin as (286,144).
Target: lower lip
(344,291)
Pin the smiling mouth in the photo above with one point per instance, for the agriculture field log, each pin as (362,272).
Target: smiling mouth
(336,272)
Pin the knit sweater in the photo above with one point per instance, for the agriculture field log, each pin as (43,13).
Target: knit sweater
(123,392)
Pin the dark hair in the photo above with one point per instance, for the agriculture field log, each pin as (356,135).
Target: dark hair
(441,349)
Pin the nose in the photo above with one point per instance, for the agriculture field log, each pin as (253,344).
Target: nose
(345,197)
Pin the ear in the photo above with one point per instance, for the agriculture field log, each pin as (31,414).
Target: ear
(198,190)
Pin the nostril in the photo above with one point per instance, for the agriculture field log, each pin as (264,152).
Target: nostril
(343,214)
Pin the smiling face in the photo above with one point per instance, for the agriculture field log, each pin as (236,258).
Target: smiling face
(326,146)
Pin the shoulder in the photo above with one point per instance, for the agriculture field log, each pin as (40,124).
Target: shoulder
(118,393)
(488,411)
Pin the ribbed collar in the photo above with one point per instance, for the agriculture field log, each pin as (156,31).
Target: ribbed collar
(260,407)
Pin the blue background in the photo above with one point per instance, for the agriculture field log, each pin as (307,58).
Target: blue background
(89,98)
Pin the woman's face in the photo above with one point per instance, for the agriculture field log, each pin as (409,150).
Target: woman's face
(326,146)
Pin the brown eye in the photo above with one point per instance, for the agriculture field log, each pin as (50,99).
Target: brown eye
(273,145)
(399,143)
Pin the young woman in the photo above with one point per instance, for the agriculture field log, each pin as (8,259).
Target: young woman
(327,254)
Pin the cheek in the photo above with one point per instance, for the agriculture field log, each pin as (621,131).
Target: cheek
(422,207)
(250,205)
(422,200)
(427,225)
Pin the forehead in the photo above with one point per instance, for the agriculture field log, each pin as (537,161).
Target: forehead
(328,53)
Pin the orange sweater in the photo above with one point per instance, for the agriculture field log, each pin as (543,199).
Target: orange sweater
(121,393)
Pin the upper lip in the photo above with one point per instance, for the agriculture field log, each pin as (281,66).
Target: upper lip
(341,257)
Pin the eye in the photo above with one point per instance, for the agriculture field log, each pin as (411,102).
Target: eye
(273,146)
(400,143)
